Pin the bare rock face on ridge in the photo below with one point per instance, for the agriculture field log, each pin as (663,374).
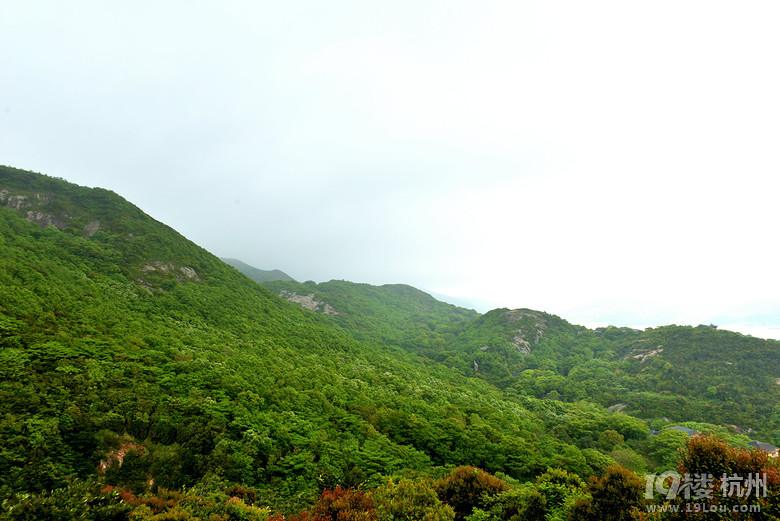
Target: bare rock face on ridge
(308,302)
(530,332)
(20,203)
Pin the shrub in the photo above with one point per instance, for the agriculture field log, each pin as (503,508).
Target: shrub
(410,500)
(616,496)
(466,488)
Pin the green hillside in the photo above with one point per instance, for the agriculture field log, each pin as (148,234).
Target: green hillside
(257,274)
(130,355)
(393,315)
(680,373)
(142,376)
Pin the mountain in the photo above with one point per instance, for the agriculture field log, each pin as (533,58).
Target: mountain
(391,315)
(677,373)
(140,372)
(257,274)
(132,356)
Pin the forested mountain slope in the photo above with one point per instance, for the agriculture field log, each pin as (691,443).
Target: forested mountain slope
(669,373)
(393,314)
(130,354)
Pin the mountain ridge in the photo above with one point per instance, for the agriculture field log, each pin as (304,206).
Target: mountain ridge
(541,354)
(109,345)
(216,378)
(256,274)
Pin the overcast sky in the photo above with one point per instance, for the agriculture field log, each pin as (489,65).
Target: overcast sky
(606,161)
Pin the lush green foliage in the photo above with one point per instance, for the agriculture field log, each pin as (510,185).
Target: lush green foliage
(411,500)
(134,355)
(139,371)
(391,315)
(467,488)
(681,373)
(616,496)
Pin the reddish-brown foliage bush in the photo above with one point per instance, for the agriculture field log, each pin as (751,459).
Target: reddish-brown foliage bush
(338,504)
(247,495)
(714,457)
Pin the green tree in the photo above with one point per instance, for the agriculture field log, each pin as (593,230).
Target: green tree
(466,488)
(609,439)
(411,500)
(616,496)
(555,493)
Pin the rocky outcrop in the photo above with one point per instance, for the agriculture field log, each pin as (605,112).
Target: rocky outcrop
(21,202)
(643,355)
(308,302)
(530,333)
(91,227)
(520,344)
(183,274)
(116,457)
(44,219)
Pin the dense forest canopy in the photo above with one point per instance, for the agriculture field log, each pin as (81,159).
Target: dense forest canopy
(136,365)
(682,373)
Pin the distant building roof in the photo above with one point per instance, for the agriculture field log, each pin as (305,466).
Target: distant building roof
(686,430)
(763,446)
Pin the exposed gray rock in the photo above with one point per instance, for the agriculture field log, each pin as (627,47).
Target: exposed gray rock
(44,219)
(520,344)
(643,355)
(308,302)
(91,227)
(187,273)
(17,202)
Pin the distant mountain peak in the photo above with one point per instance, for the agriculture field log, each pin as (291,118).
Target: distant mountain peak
(257,274)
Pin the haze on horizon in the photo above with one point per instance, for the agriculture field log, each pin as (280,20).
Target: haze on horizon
(607,161)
